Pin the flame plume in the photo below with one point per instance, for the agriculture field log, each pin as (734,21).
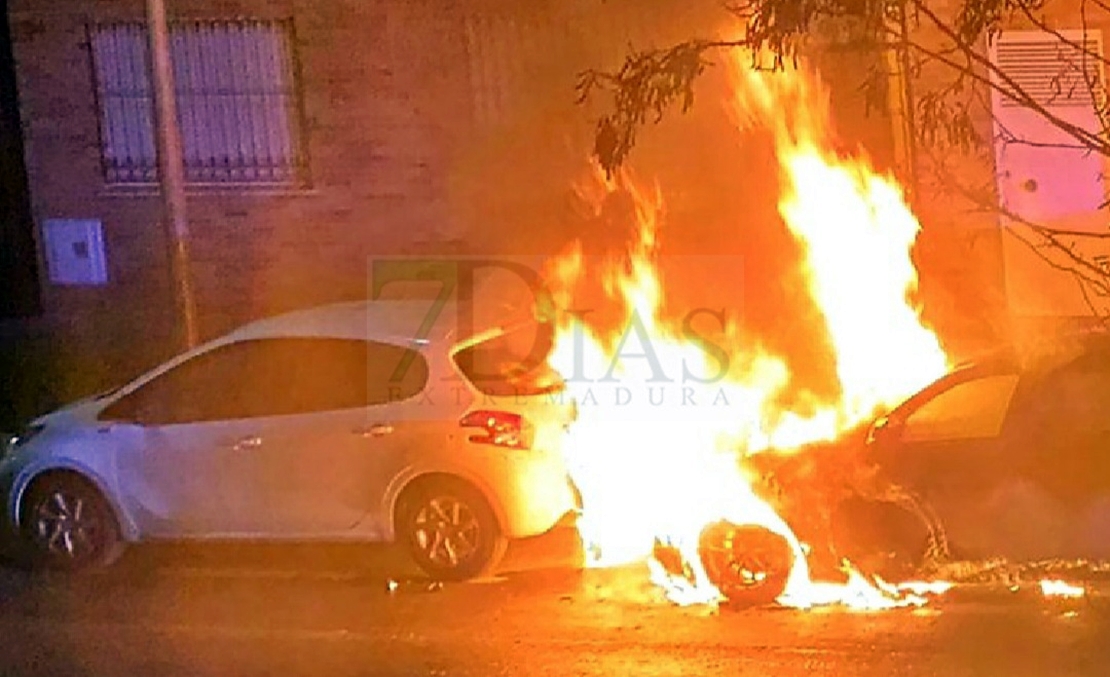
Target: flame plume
(664,425)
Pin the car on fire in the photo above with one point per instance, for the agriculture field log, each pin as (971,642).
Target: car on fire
(1004,457)
(364,421)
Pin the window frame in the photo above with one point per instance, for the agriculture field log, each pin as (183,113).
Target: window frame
(130,401)
(298,166)
(998,430)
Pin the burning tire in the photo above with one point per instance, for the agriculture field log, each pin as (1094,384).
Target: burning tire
(748,564)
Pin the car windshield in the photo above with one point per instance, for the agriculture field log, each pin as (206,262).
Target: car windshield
(512,363)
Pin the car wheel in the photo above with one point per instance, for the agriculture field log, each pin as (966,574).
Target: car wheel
(450,530)
(66,524)
(749,564)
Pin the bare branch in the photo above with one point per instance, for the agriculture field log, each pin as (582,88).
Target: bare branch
(1008,88)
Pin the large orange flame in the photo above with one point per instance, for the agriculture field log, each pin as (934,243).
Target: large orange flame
(664,424)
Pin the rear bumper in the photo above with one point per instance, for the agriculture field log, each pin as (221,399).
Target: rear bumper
(530,491)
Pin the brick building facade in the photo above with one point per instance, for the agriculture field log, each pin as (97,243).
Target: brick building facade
(376,115)
(414,127)
(423,126)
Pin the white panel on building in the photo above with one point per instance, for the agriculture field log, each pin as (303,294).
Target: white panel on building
(1044,176)
(75,251)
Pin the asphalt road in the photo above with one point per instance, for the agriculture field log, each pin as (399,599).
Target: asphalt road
(329,610)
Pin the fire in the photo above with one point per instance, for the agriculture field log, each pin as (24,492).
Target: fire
(858,233)
(1058,588)
(665,422)
(922,588)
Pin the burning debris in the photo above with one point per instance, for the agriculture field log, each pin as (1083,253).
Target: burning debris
(672,484)
(924,588)
(1058,588)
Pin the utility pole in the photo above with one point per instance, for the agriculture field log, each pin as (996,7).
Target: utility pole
(171,168)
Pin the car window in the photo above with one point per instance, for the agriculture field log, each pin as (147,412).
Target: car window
(973,409)
(392,373)
(209,386)
(512,363)
(276,377)
(1074,398)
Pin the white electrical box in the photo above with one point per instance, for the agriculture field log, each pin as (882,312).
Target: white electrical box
(75,251)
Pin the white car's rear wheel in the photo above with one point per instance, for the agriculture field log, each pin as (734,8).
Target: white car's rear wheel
(66,524)
(450,530)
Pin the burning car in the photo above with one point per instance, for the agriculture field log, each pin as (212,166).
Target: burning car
(1007,456)
(365,421)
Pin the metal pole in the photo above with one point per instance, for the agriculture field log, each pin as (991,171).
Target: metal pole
(171,167)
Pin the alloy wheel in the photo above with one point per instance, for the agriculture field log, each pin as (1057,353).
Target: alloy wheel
(446,531)
(65,525)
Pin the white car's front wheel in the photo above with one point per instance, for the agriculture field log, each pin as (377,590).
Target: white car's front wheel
(450,530)
(66,524)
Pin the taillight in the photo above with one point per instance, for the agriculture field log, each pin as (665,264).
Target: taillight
(499,428)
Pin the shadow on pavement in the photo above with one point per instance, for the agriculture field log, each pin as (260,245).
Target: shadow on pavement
(369,563)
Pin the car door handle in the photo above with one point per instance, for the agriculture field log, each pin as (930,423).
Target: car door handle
(376,430)
(246,443)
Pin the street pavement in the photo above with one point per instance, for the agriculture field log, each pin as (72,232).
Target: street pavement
(356,610)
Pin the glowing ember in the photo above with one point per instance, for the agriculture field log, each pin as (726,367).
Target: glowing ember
(857,593)
(665,424)
(1058,588)
(923,588)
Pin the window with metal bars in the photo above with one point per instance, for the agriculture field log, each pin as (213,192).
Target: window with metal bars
(236,102)
(1064,68)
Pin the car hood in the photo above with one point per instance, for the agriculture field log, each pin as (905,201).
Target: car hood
(83,410)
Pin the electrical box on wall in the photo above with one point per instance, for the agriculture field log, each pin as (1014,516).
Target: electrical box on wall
(75,251)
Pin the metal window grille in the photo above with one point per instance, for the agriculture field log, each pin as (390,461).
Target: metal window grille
(1051,71)
(236,101)
(494,72)
(504,53)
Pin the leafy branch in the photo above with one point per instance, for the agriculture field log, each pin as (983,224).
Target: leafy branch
(645,87)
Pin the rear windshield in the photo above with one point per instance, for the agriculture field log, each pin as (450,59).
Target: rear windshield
(513,363)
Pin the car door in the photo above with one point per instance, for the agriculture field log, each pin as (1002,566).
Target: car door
(949,451)
(1060,443)
(358,414)
(191,468)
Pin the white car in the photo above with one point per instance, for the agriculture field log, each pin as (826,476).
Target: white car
(365,421)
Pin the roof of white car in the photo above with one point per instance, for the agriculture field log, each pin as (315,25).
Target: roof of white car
(357,320)
(392,320)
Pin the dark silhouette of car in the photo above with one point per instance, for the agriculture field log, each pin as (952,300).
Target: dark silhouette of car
(1004,457)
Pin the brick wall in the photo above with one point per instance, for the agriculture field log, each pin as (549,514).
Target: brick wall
(384,89)
(397,164)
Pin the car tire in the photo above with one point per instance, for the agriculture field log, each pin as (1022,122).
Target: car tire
(450,530)
(749,564)
(66,524)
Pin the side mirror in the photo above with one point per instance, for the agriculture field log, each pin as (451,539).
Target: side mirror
(883,429)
